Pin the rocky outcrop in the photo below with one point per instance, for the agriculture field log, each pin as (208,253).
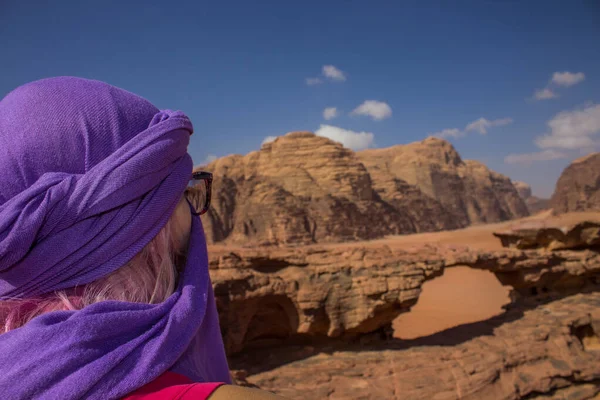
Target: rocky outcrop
(534,204)
(551,352)
(302,188)
(468,191)
(582,235)
(578,188)
(324,292)
(325,314)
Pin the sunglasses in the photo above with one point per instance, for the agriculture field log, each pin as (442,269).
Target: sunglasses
(198,191)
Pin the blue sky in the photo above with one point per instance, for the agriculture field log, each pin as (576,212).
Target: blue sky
(239,70)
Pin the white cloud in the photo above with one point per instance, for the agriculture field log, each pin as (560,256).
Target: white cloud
(567,78)
(563,142)
(377,110)
(544,94)
(313,81)
(569,130)
(446,133)
(572,129)
(333,73)
(528,158)
(330,113)
(564,79)
(328,72)
(350,139)
(269,139)
(209,158)
(482,124)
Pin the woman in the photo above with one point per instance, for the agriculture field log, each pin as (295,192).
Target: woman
(104,285)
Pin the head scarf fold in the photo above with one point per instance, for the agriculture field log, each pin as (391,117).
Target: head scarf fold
(90,174)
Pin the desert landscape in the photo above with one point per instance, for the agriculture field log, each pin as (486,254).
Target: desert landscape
(399,199)
(404,272)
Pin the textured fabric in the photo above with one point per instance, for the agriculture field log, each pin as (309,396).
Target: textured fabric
(171,386)
(90,174)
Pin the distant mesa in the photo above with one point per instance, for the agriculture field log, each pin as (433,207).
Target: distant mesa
(534,204)
(523,189)
(578,188)
(303,188)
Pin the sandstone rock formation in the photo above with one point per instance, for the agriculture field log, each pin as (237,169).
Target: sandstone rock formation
(534,204)
(325,314)
(298,189)
(578,188)
(582,235)
(551,352)
(302,188)
(467,190)
(320,293)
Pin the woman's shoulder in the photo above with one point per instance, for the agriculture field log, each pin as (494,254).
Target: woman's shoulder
(172,386)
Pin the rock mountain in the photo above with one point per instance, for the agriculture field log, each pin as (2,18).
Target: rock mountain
(578,188)
(302,188)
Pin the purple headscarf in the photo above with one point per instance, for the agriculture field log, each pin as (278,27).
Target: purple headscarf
(89,174)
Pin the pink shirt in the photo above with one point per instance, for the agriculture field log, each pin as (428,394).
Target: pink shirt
(172,386)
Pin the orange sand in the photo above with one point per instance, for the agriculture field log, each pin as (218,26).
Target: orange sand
(461,296)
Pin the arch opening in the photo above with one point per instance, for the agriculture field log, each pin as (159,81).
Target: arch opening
(462,295)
